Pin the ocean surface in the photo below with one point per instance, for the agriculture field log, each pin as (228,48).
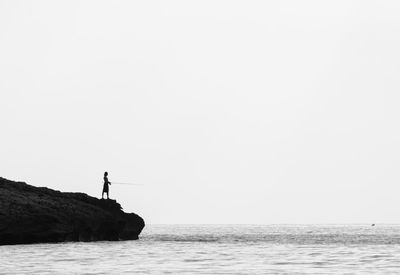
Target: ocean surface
(220,249)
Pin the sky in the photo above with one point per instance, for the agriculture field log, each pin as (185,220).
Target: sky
(258,112)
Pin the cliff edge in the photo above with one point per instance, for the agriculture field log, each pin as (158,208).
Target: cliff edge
(30,214)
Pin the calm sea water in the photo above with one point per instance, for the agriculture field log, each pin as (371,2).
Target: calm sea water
(219,249)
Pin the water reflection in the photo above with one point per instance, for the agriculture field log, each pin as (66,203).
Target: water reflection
(214,249)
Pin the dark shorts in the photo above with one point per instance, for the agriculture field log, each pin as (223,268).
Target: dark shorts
(105,188)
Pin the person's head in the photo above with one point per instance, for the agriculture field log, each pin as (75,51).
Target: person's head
(105,174)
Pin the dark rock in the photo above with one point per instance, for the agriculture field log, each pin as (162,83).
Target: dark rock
(31,214)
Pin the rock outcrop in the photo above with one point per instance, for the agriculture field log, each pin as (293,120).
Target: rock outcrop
(31,214)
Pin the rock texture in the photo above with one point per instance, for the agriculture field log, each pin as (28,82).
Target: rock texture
(31,214)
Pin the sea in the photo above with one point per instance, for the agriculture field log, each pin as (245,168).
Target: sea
(219,249)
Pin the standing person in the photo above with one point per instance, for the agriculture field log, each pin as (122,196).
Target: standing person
(105,186)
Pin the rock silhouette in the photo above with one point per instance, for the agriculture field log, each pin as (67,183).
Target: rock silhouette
(30,214)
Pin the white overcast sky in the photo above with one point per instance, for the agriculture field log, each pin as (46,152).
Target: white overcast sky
(225,111)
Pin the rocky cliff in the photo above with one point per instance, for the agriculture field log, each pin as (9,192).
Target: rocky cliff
(31,214)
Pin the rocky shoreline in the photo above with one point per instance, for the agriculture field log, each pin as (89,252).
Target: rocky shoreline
(30,214)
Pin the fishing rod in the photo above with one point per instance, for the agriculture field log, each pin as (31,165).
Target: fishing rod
(126,183)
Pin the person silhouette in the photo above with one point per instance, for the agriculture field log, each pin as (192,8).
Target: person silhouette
(105,186)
